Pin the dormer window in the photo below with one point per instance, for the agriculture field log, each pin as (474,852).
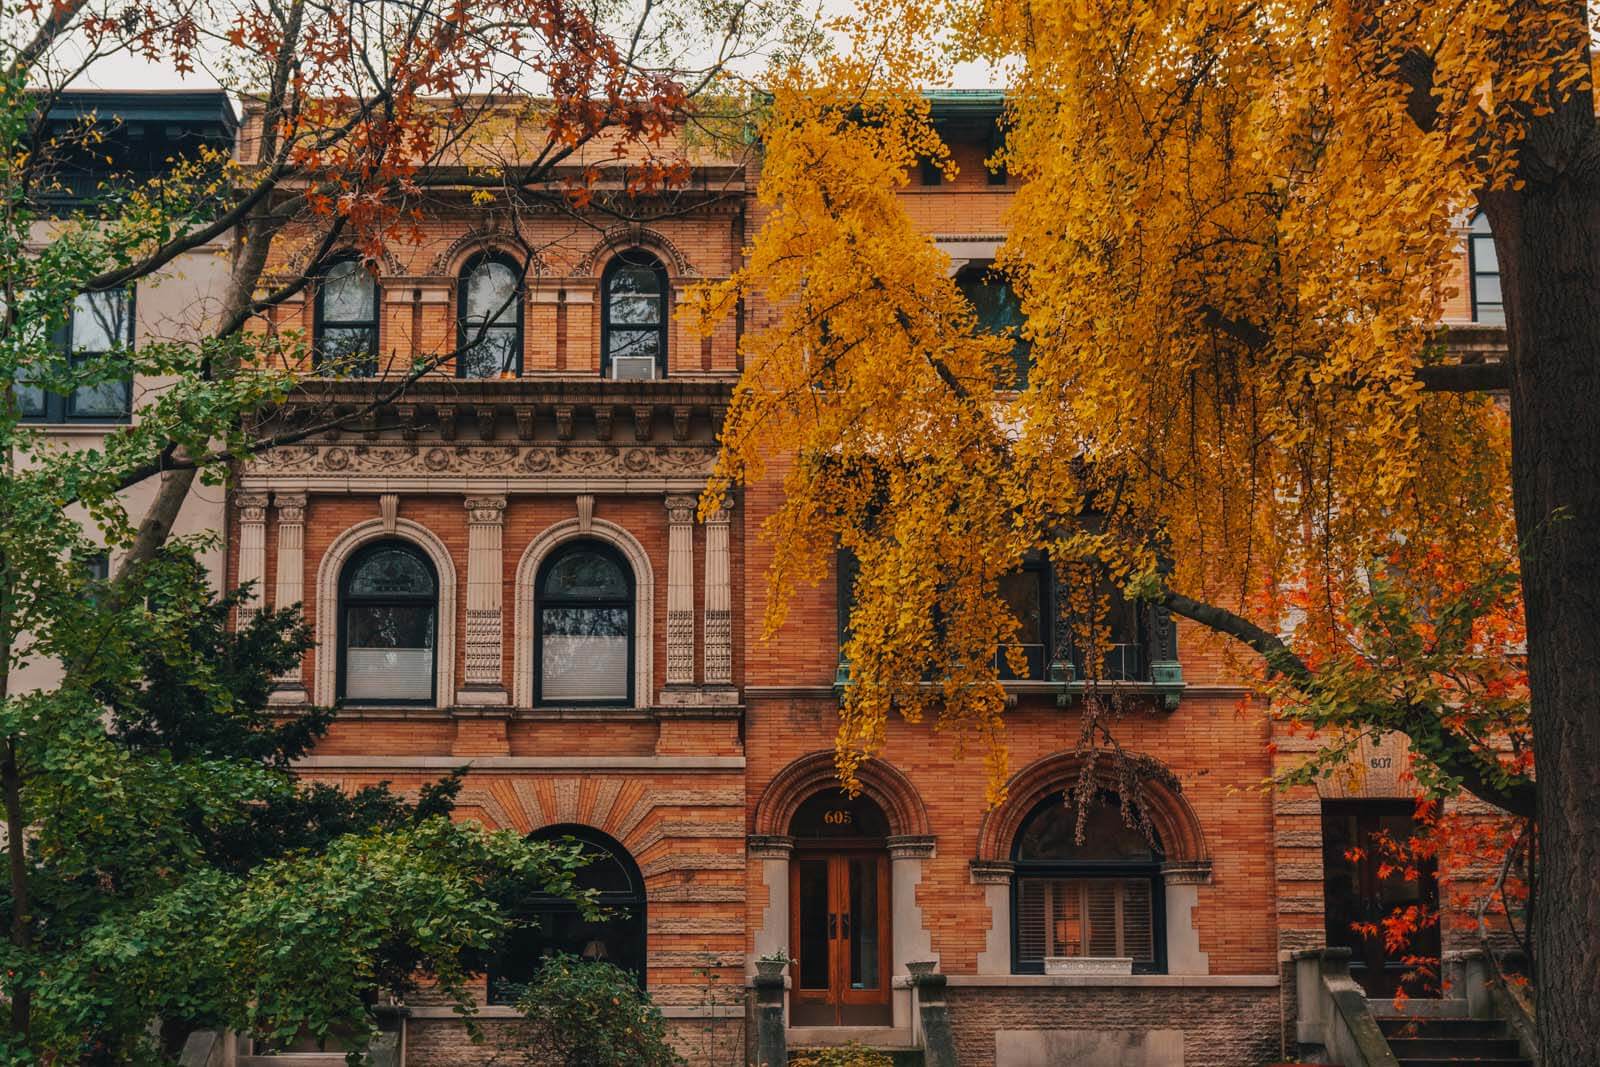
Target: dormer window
(634,318)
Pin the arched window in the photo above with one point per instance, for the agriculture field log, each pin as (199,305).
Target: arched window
(1099,899)
(1487,303)
(552,924)
(388,618)
(583,627)
(490,303)
(634,317)
(346,328)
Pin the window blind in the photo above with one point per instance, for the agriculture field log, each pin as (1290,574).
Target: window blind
(584,667)
(1101,917)
(388,673)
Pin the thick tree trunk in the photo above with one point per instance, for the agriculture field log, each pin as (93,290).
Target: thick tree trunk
(1548,237)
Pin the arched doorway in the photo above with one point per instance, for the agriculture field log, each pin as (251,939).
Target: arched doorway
(839,912)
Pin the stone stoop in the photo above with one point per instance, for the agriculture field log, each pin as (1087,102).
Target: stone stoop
(1446,1041)
(902,1057)
(898,1044)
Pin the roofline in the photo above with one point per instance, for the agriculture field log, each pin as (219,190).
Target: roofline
(144,105)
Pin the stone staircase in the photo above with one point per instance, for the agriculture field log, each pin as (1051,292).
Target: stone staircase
(1452,1041)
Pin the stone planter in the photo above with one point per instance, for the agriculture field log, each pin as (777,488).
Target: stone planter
(771,968)
(1088,965)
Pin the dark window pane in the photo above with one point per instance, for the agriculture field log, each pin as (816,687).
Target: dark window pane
(586,576)
(1050,835)
(813,905)
(864,944)
(103,400)
(389,626)
(495,354)
(491,293)
(629,310)
(635,342)
(349,293)
(391,572)
(30,398)
(634,280)
(348,351)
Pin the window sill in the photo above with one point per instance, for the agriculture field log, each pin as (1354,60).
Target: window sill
(1133,981)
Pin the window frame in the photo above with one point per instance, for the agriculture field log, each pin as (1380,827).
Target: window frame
(465,330)
(982,273)
(320,321)
(59,407)
(545,905)
(630,604)
(346,571)
(635,257)
(1080,870)
(1474,235)
(1037,564)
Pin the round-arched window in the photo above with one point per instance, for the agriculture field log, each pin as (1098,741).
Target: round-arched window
(584,626)
(388,618)
(490,318)
(551,924)
(634,317)
(1100,898)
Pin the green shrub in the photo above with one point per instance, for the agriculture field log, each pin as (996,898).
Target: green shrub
(592,1014)
(851,1055)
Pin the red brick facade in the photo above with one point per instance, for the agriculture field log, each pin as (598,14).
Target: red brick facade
(698,776)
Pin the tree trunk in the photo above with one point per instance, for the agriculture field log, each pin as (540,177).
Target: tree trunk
(1547,235)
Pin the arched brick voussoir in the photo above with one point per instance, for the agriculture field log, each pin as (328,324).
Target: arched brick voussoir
(1176,824)
(810,774)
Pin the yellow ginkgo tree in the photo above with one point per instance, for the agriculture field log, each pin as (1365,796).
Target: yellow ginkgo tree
(1233,234)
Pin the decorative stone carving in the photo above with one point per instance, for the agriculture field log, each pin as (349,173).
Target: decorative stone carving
(564,422)
(602,421)
(680,423)
(680,590)
(397,460)
(585,512)
(252,550)
(389,510)
(485,523)
(642,417)
(290,587)
(524,413)
(718,601)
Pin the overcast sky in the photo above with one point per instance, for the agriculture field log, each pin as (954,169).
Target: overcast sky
(131,72)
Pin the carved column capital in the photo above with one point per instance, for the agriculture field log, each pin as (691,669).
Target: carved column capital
(681,509)
(486,509)
(252,507)
(291,507)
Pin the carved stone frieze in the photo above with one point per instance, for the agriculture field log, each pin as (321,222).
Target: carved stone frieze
(421,460)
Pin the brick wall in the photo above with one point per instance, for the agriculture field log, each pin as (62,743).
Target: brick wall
(1221,1027)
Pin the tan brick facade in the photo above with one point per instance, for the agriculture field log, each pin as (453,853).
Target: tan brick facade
(684,775)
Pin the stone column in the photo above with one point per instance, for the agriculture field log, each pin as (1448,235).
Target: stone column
(289,590)
(995,877)
(912,942)
(1180,893)
(252,551)
(719,602)
(680,591)
(485,579)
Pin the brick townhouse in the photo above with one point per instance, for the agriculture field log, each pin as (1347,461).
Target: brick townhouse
(505,569)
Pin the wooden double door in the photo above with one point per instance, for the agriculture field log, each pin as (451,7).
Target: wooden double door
(839,937)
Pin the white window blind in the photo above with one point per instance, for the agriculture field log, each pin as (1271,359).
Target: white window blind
(388,673)
(584,667)
(1100,917)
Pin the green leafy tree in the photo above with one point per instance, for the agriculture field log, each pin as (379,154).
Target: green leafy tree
(592,1014)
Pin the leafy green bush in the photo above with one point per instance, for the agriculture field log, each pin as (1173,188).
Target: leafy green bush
(592,1014)
(851,1055)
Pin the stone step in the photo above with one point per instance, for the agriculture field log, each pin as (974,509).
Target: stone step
(1461,1048)
(1457,1062)
(901,1057)
(1445,1028)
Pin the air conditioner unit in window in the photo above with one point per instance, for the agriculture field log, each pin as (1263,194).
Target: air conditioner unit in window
(633,368)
